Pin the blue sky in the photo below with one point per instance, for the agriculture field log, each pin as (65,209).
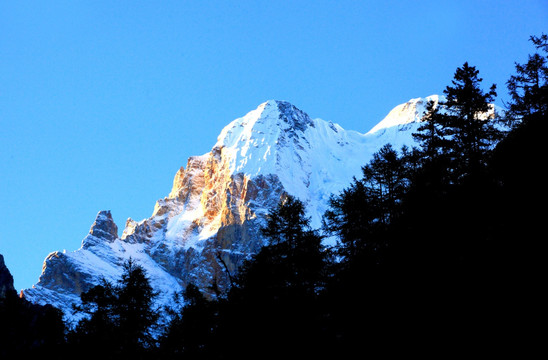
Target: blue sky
(101,102)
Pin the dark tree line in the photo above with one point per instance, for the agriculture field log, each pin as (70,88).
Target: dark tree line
(439,251)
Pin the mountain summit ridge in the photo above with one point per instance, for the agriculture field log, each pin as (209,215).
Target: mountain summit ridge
(210,221)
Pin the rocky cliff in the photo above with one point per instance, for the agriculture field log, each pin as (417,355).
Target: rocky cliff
(6,282)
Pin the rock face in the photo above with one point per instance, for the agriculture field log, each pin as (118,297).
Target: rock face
(211,219)
(6,281)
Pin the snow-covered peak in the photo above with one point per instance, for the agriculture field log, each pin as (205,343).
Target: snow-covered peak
(219,202)
(409,112)
(252,143)
(266,122)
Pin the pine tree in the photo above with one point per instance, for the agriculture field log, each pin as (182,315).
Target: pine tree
(99,322)
(190,333)
(294,251)
(386,175)
(360,215)
(134,307)
(456,135)
(432,134)
(517,167)
(470,131)
(119,317)
(529,87)
(350,218)
(273,304)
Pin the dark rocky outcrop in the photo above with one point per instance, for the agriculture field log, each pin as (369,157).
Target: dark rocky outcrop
(6,282)
(26,329)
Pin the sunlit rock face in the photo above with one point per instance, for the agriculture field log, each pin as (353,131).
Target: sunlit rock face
(210,221)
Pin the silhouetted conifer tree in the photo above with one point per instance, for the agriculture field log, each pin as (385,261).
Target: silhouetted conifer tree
(456,135)
(98,326)
(529,87)
(273,305)
(361,297)
(469,111)
(360,214)
(295,248)
(432,133)
(135,308)
(118,319)
(190,333)
(516,165)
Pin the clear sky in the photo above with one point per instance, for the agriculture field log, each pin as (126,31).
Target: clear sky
(101,102)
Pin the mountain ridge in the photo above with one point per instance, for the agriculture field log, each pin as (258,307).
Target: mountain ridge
(212,216)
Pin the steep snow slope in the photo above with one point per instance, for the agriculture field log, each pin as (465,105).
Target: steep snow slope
(400,123)
(210,220)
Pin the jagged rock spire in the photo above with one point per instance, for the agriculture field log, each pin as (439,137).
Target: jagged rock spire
(104,226)
(103,229)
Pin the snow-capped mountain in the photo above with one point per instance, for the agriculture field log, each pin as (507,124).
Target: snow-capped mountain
(209,223)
